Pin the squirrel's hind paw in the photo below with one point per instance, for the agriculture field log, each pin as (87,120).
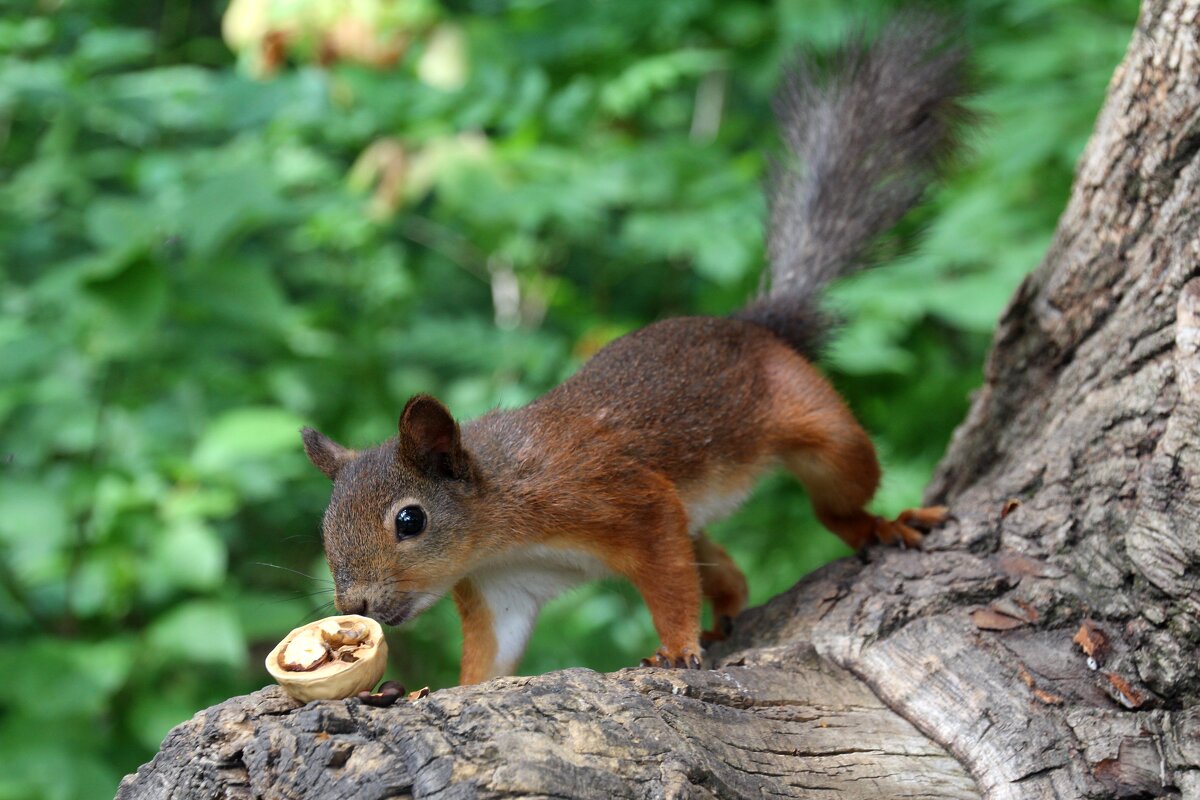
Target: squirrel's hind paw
(903,530)
(720,631)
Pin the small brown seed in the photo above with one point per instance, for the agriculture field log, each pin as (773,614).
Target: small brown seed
(378,699)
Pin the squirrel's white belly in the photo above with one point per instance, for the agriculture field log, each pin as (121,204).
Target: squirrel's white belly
(540,571)
(719,493)
(518,583)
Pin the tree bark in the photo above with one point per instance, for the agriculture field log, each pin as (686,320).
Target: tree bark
(1043,644)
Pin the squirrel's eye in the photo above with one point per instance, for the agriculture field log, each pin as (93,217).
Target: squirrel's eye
(410,521)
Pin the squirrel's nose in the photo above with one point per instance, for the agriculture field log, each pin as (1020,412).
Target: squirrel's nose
(357,605)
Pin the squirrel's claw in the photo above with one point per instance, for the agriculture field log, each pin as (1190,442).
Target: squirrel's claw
(928,517)
(664,660)
(903,530)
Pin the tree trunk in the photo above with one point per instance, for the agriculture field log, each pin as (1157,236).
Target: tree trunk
(1044,644)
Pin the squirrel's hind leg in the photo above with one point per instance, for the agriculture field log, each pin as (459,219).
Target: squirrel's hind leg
(723,585)
(836,462)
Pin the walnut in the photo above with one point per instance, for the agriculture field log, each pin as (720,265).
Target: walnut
(330,659)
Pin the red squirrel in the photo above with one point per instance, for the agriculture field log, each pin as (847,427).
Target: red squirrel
(665,430)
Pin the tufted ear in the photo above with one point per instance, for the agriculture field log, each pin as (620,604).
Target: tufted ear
(325,454)
(430,439)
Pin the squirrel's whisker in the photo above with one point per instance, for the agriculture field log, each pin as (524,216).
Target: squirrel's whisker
(293,571)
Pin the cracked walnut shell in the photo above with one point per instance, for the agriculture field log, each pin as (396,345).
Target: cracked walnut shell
(330,659)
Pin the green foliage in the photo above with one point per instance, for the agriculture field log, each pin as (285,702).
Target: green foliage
(195,262)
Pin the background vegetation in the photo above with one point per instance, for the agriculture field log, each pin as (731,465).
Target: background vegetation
(208,241)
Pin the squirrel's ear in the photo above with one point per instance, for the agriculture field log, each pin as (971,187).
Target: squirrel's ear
(430,440)
(325,454)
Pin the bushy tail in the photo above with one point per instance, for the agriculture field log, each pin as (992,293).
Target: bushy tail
(866,135)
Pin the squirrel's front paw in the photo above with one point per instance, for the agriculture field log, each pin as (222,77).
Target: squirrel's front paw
(686,658)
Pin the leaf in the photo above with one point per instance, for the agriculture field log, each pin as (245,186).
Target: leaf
(245,434)
(56,678)
(198,632)
(155,713)
(989,619)
(60,761)
(33,518)
(127,307)
(121,224)
(25,34)
(869,345)
(190,556)
(267,617)
(721,240)
(102,49)
(641,80)
(225,204)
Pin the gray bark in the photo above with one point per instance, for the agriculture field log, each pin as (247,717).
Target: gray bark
(784,723)
(1044,644)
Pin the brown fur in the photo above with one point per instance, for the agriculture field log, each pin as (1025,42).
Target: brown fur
(723,585)
(665,429)
(605,464)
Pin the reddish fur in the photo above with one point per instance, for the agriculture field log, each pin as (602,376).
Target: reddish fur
(479,641)
(722,583)
(605,464)
(678,418)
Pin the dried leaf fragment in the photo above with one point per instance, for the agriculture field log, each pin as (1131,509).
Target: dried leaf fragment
(1019,566)
(989,619)
(1092,642)
(1123,692)
(1015,608)
(1010,505)
(1047,697)
(1025,675)
(1031,613)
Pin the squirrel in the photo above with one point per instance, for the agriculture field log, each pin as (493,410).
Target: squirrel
(663,431)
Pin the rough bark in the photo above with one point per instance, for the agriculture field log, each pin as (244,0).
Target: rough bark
(1044,644)
(781,722)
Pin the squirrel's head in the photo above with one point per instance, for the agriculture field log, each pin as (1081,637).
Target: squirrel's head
(399,527)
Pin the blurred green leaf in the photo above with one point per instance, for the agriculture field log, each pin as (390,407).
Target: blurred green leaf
(244,434)
(227,203)
(154,714)
(55,762)
(191,556)
(646,76)
(34,517)
(54,679)
(103,49)
(199,632)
